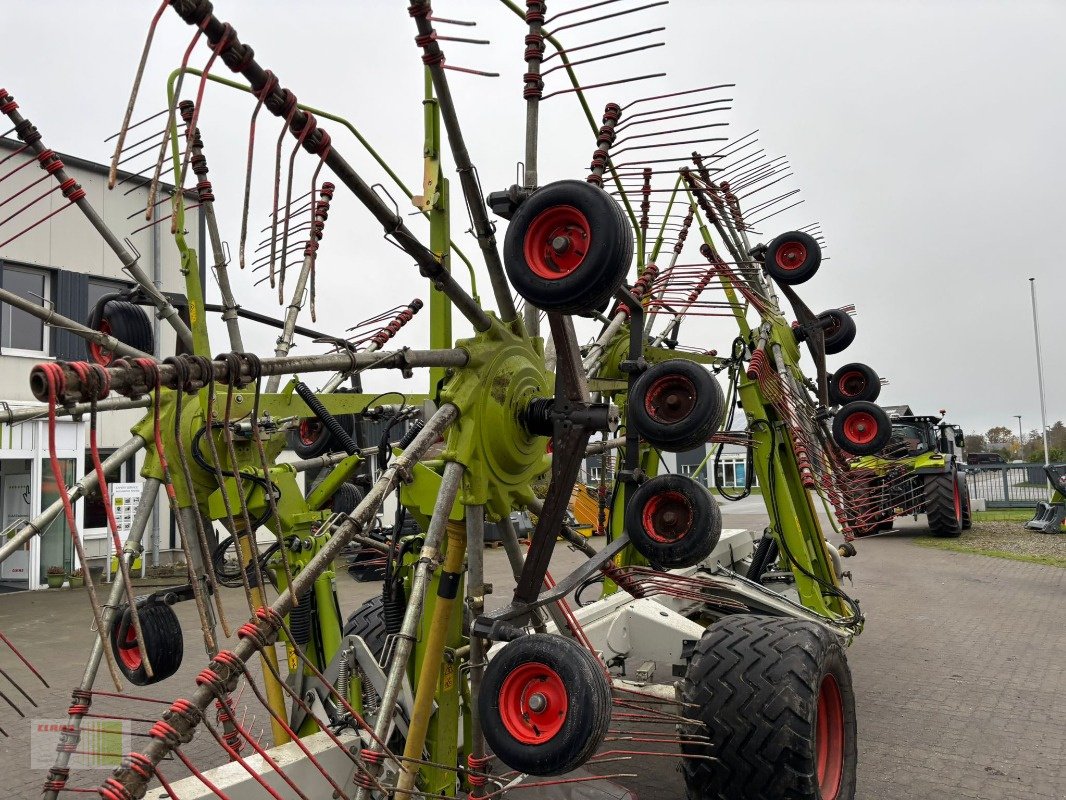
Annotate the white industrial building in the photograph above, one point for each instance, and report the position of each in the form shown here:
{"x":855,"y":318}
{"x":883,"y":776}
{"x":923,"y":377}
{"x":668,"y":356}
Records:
{"x":64,"y":264}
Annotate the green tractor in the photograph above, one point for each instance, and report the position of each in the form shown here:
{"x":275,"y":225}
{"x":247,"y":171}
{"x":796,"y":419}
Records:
{"x":919,"y":470}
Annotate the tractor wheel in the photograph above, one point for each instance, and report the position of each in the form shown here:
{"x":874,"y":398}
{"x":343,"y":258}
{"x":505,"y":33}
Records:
{"x":162,"y":642}
{"x":673,"y":521}
{"x":676,"y":405}
{"x":568,"y":247}
{"x":943,"y":505}
{"x":545,"y":704}
{"x":853,"y":382}
{"x":368,"y":622}
{"x":839,"y":330}
{"x":861,"y":428}
{"x":964,"y":494}
{"x":127,"y":322}
{"x":792,"y":258}
{"x":775,"y":695}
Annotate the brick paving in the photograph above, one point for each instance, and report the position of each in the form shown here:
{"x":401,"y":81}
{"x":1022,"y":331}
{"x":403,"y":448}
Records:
{"x":959,"y":679}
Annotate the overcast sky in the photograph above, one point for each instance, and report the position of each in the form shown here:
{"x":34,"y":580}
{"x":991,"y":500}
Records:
{"x":925,"y":136}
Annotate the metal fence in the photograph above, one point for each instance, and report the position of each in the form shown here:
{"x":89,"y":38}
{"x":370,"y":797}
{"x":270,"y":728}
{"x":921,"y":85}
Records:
{"x":1007,"y":485}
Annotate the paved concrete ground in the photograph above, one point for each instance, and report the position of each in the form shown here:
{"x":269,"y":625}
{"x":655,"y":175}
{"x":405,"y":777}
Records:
{"x":959,"y":678}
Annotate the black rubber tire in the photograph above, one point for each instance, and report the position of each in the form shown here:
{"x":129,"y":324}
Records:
{"x":755,"y":683}
{"x":839,"y":330}
{"x":162,"y":641}
{"x":850,"y":426}
{"x":346,"y":498}
{"x":853,"y":382}
{"x":687,"y":544}
{"x":964,"y":496}
{"x":792,"y":258}
{"x":943,"y":505}
{"x":591,"y":281}
{"x":368,"y":621}
{"x":697,"y":395}
{"x":127,"y":322}
{"x":311,"y":439}
{"x":578,"y":673}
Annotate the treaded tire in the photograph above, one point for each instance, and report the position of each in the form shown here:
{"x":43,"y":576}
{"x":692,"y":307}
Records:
{"x":792,"y":258}
{"x":673,"y":521}
{"x":346,"y":498}
{"x":861,"y":428}
{"x":162,"y":641}
{"x":127,"y":322}
{"x":676,"y":405}
{"x":554,"y":740}
{"x":597,"y":248}
{"x":964,"y":496}
{"x":368,"y":622}
{"x":853,"y":382}
{"x":839,"y":330}
{"x":755,"y":683}
{"x":943,"y":505}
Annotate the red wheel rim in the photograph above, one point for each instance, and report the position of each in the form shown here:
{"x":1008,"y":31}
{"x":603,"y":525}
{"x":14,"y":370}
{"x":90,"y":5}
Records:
{"x":533,"y":703}
{"x":833,"y":326}
{"x":851,"y":384}
{"x":791,"y":255}
{"x":670,"y":399}
{"x":556,"y":242}
{"x":667,"y":517}
{"x":128,"y":652}
{"x":96,"y":352}
{"x":309,"y":431}
{"x":958,"y":503}
{"x":860,"y":427}
{"x":829,"y":739}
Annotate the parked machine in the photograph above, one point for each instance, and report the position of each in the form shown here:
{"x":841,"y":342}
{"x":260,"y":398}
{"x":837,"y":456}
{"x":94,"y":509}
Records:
{"x":1050,"y":517}
{"x":918,"y":471}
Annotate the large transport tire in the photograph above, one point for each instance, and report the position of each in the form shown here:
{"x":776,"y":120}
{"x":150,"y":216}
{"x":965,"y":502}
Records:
{"x":673,"y":521}
{"x":943,"y":505}
{"x":162,"y":641}
{"x":676,"y":405}
{"x":853,"y":382}
{"x":545,"y":704}
{"x":861,"y":428}
{"x":568,"y":247}
{"x":775,"y":695}
{"x":964,"y":492}
{"x":368,"y":622}
{"x":127,"y":322}
{"x":792,"y":258}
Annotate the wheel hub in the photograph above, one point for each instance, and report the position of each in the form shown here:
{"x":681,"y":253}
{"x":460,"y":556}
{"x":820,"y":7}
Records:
{"x":668,"y":517}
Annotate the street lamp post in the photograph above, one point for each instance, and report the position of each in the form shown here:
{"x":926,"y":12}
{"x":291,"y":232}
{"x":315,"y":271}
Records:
{"x":1020,"y":442}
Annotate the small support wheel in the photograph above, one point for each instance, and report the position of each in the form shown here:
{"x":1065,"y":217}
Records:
{"x":676,"y":405}
{"x":853,"y":382}
{"x":792,"y":258}
{"x":346,"y":498}
{"x":545,"y":704}
{"x":839,"y":330}
{"x":311,"y":438}
{"x":568,"y":248}
{"x":861,"y":428}
{"x":673,"y":521}
{"x":162,"y":641}
{"x":127,"y":322}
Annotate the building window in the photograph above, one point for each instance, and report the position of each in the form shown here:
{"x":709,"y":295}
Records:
{"x":98,"y":287}
{"x":689,"y":471}
{"x":19,"y":330}
{"x":95,"y":512}
{"x":594,"y":474}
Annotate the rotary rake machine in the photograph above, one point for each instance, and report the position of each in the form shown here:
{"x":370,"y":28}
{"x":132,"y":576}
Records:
{"x":420,"y":694}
